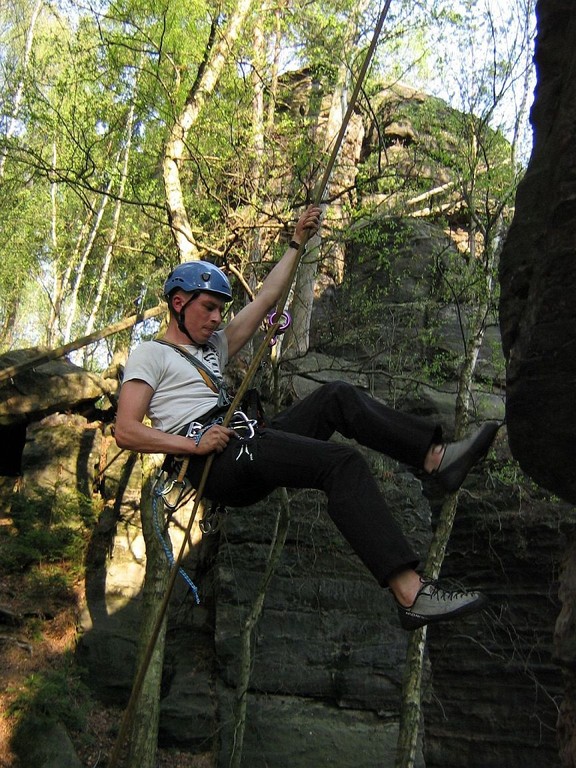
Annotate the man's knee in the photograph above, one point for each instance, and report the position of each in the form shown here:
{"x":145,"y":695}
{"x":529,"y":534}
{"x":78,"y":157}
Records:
{"x":337,"y":389}
{"x":348,"y":462}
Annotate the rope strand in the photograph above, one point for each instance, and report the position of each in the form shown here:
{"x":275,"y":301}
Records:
{"x":157,"y":493}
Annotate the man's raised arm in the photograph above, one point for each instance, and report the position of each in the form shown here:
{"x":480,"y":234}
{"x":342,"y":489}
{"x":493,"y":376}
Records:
{"x":245,"y":324}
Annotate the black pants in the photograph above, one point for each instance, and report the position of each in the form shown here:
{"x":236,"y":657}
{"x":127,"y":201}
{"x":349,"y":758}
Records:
{"x":294,"y":452}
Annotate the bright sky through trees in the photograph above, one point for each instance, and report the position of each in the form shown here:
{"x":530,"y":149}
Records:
{"x":479,"y":58}
{"x":86,"y":107}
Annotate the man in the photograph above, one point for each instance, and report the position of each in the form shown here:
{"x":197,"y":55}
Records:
{"x":294,"y":449}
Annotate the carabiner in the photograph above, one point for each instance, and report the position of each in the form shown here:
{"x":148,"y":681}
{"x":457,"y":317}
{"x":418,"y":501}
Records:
{"x":180,"y":486}
{"x":240,"y":422}
{"x":212,"y":522}
{"x":284,"y":323}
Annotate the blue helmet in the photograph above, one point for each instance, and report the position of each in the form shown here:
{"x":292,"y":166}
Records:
{"x":198,"y":276}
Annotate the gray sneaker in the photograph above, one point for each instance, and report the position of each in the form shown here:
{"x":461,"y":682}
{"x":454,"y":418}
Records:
{"x":433,"y":603}
{"x":460,"y":457}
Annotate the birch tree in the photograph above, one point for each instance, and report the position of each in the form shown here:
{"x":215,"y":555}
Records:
{"x":14,"y":110}
{"x":113,"y":232}
{"x":22,"y":25}
{"x":217,"y":54}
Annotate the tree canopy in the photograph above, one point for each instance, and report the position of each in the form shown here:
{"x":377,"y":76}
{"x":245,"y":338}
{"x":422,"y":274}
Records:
{"x":106,"y":106}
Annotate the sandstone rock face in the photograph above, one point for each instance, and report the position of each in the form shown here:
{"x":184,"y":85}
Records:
{"x":538,"y":270}
{"x":565,"y":654}
{"x":50,"y":387}
{"x":538,"y":311}
{"x":52,"y":750}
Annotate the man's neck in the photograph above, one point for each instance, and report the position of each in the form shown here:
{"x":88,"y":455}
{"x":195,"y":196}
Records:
{"x":175,"y":336}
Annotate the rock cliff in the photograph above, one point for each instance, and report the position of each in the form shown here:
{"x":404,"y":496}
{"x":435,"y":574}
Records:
{"x":538,"y":313}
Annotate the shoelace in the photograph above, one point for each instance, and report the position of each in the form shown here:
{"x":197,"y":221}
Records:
{"x":439,"y":592}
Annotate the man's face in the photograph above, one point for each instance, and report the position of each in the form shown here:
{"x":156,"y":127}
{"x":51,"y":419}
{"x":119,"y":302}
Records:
{"x":202,"y":316}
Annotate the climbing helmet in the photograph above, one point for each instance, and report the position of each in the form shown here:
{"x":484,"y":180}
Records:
{"x":198,"y":276}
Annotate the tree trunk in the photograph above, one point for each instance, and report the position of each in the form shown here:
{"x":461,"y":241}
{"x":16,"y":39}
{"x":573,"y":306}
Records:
{"x":56,"y":277}
{"x":246,"y":660}
{"x":7,"y":327}
{"x":84,"y":260}
{"x":175,"y":146}
{"x":410,"y":719}
{"x":146,"y":716}
{"x":19,"y":95}
{"x":113,"y":231}
{"x":62,"y":281}
{"x":411,"y":705}
{"x":54,"y":354}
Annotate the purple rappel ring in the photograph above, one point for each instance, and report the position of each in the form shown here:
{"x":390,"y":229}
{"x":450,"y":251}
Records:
{"x":285,"y":321}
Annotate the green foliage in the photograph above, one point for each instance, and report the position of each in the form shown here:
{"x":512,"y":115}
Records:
{"x":91,"y":65}
{"x":510,"y":476}
{"x":47,"y":528}
{"x":54,"y":695}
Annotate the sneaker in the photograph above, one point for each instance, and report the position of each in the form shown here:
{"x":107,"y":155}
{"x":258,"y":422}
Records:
{"x":460,"y":457}
{"x":433,"y":603}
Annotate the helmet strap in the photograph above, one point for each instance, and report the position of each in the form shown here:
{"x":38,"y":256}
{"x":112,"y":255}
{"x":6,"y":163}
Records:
{"x":181,"y":317}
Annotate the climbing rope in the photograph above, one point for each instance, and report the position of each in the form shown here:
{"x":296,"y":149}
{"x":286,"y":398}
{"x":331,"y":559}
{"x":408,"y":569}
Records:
{"x":271,"y":333}
{"x":159,"y":499}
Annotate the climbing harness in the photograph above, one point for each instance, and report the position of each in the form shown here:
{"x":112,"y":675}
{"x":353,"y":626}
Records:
{"x":173,"y":489}
{"x":244,"y":427}
{"x":284,"y":321}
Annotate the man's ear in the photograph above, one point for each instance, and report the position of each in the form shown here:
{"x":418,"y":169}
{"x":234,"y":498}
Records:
{"x":176,"y":301}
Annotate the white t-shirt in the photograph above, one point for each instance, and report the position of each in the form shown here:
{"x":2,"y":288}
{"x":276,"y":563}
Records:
{"x":180,"y":393}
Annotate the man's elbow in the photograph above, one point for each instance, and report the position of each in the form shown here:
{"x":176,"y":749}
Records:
{"x":122,"y":438}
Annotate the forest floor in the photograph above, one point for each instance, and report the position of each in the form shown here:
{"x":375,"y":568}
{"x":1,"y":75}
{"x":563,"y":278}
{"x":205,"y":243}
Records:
{"x":37,"y":641}
{"x":41,"y":597}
